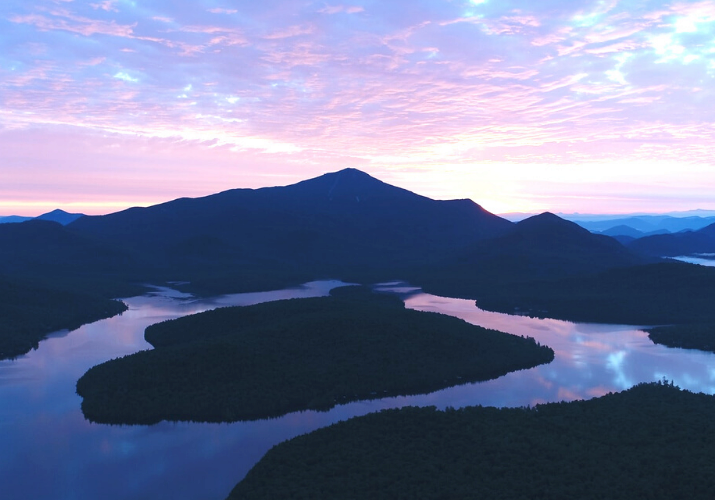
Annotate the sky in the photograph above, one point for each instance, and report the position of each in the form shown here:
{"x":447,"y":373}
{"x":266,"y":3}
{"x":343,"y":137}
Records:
{"x":592,"y":106}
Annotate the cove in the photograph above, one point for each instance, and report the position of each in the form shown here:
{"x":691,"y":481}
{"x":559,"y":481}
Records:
{"x":50,"y":452}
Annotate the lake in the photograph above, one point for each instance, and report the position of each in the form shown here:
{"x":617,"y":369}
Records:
{"x":49,"y":451}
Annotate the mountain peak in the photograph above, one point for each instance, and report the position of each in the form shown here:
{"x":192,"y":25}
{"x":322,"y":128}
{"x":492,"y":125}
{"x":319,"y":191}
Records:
{"x":548,"y":222}
{"x":58,"y":215}
{"x":348,"y":184}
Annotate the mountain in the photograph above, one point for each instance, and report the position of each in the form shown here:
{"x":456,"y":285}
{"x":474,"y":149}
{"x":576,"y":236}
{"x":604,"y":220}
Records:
{"x":623,"y":230}
{"x":626,"y":234}
{"x":646,"y":223}
{"x":56,"y":215}
{"x":60,"y":216}
{"x":673,"y":245}
{"x":13,"y":219}
{"x":542,"y":247}
{"x":546,"y":245}
{"x":343,"y":224}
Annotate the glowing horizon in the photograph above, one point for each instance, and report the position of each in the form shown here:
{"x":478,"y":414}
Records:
{"x":591,"y":106}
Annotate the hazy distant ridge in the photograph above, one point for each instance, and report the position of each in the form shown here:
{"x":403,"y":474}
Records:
{"x":56,"y":215}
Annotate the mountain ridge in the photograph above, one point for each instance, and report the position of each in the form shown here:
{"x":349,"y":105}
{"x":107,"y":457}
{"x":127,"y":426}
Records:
{"x":677,"y":244}
{"x":344,"y":223}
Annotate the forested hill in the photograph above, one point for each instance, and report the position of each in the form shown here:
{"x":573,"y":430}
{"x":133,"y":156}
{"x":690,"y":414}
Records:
{"x":543,"y":247}
{"x":29,"y":313}
{"x":673,"y":245}
{"x":652,"y":441}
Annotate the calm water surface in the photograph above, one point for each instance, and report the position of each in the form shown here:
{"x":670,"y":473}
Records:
{"x":48,"y":451}
{"x":703,"y":259}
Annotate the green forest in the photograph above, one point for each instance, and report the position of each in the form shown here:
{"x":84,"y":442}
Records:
{"x":29,"y":313}
{"x":652,"y":441}
{"x":243,"y":363}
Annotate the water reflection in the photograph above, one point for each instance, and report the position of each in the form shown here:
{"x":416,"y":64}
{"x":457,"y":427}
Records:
{"x":703,"y":259}
{"x":590,"y":358}
{"x":50,"y":452}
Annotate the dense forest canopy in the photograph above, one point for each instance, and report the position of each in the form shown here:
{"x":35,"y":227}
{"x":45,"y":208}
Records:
{"x":653,"y":441}
{"x":698,"y":336}
{"x":243,"y":363}
{"x":30,"y":312}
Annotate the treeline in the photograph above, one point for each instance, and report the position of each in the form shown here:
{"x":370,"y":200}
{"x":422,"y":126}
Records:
{"x":243,"y":363}
{"x":29,"y":313}
{"x":655,"y":294}
{"x":700,"y":336}
{"x":653,"y":441}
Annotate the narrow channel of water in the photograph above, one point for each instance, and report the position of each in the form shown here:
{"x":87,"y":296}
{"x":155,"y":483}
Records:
{"x":48,"y":451}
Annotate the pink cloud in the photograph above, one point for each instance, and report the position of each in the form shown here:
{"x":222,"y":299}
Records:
{"x":291,"y":31}
{"x":616,"y":47}
{"x":336,"y":9}
{"x":223,"y":11}
{"x":76,"y":24}
{"x":556,"y":37}
{"x":108,"y":5}
{"x":416,"y":88}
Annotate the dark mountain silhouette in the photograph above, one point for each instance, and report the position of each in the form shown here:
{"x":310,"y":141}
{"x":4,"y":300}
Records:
{"x":60,"y":216}
{"x":673,"y":245}
{"x":556,"y":247}
{"x":542,"y":247}
{"x":344,"y":224}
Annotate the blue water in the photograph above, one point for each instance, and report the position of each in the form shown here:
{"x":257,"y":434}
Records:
{"x":48,"y":451}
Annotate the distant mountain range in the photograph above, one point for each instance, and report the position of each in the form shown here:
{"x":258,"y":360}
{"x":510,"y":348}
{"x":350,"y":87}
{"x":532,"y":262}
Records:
{"x":623,"y":230}
{"x":13,"y":219}
{"x":57,"y":215}
{"x":677,"y":244}
{"x":636,"y":226}
{"x":649,"y":224}
{"x":346,"y":225}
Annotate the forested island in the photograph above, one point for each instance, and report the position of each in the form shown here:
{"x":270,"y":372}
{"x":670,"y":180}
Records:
{"x":29,"y":313}
{"x":243,"y":363}
{"x":652,"y":441}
